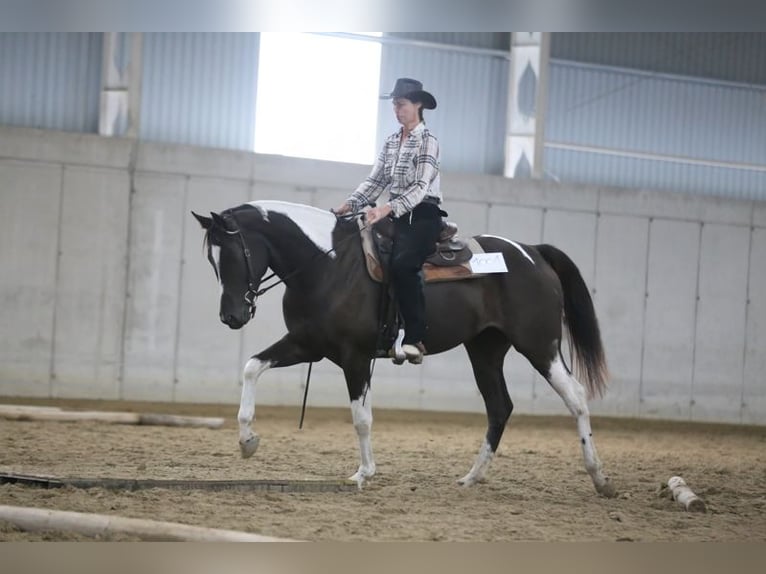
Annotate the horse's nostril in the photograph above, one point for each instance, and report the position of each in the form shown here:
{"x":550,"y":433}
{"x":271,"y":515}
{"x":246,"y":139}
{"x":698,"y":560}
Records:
{"x":232,"y":321}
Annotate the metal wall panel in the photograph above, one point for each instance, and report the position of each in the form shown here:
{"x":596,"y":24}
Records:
{"x":754,"y":389}
{"x":30,"y":197}
{"x":200,"y":88}
{"x":50,"y":80}
{"x":737,"y":57}
{"x":621,"y":247}
{"x":670,"y":320}
{"x":720,"y":333}
{"x":151,"y":319}
{"x":471,"y":91}
{"x":90,"y":290}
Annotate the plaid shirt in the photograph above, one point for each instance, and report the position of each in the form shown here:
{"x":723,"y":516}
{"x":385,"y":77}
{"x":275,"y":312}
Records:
{"x":409,"y":172}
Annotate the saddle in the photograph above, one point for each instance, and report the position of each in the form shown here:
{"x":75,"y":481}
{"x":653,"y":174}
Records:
{"x":450,"y":260}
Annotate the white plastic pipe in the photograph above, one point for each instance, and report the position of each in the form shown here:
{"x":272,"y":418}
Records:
{"x":684,"y":496}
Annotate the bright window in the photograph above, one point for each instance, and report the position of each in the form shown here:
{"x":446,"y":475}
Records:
{"x":317,"y":97}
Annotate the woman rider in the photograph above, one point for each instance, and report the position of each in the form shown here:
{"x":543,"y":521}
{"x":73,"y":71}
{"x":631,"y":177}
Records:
{"x":408,"y":168}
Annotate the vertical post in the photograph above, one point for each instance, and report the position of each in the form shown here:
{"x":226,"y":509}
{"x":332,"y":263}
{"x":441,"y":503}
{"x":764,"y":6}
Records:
{"x":135,"y":76}
{"x":121,"y":70}
{"x":530,"y":52}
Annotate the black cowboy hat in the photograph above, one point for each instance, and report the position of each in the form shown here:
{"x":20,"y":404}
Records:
{"x":413,"y":91}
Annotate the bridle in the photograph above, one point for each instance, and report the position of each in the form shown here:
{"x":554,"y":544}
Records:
{"x":251,"y":295}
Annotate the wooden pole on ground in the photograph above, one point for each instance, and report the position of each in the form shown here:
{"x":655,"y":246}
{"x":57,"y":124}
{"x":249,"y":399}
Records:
{"x":40,"y":519}
{"x":26,"y":413}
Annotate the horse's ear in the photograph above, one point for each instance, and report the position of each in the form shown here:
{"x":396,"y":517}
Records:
{"x":218,"y":220}
{"x":205,"y":222}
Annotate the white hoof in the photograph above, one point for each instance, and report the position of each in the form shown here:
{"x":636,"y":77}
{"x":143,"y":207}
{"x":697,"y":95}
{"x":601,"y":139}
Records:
{"x":606,"y":489}
{"x":361,"y":475}
{"x":248,"y":447}
{"x":469,"y":480}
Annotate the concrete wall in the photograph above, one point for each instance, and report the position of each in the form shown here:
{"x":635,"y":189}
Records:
{"x":105,"y":292}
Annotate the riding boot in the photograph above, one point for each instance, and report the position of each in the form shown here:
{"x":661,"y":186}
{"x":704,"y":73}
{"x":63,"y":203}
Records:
{"x":414,"y":353}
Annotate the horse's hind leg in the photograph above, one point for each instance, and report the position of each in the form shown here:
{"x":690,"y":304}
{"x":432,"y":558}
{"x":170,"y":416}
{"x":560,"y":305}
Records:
{"x":487,"y":353}
{"x":573,"y":393}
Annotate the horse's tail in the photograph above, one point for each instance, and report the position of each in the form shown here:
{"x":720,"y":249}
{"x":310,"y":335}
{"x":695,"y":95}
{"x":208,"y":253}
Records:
{"x":580,"y":319}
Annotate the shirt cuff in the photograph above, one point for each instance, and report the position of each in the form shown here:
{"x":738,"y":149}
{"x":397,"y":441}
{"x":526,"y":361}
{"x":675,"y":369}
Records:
{"x":353,"y":203}
{"x":397,"y":208}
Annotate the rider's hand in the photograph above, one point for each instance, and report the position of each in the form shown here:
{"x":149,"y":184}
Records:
{"x":377,"y":213}
{"x":342,"y":209}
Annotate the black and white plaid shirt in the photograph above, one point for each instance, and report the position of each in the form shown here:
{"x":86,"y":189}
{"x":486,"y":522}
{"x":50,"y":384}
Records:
{"x":409,"y":172}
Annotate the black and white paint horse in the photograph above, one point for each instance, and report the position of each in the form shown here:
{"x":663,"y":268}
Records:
{"x":330,"y":308}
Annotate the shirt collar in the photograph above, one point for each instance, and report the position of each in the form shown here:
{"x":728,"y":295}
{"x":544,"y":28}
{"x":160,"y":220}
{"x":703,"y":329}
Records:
{"x":416,"y":132}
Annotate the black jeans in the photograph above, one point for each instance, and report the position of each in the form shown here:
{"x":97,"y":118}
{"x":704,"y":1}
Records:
{"x":414,"y":241}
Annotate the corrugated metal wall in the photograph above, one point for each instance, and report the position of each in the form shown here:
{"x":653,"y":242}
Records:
{"x":471,"y":91}
{"x":631,"y":111}
{"x":736,"y":57}
{"x":575,"y":166}
{"x":200,"y":88}
{"x":50,"y":80}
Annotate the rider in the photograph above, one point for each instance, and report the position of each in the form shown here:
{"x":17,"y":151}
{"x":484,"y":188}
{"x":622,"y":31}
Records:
{"x":408,"y":168}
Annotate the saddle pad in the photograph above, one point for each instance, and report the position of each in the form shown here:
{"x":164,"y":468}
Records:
{"x":431,"y":273}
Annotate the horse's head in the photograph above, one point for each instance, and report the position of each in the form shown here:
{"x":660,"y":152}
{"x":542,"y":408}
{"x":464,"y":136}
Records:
{"x":239,"y":261}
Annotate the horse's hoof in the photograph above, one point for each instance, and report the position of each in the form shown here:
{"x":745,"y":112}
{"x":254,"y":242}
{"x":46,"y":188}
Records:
{"x":361,"y":476}
{"x":248,"y":447}
{"x":359,"y":479}
{"x":607,"y":490}
{"x":467,"y":480}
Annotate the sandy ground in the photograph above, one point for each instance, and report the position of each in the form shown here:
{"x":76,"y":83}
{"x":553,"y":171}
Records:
{"x":537,"y":488}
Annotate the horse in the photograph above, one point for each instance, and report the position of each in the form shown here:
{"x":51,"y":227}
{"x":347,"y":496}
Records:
{"x":331,"y":310}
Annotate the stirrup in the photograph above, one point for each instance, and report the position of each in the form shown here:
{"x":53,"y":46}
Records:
{"x":396,"y":353}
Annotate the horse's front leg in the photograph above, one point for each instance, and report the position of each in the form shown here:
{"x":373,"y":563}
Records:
{"x":358,"y":383}
{"x":283,"y":353}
